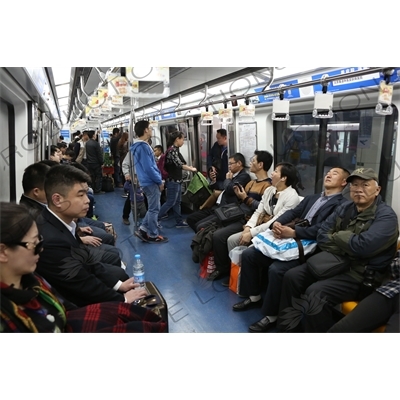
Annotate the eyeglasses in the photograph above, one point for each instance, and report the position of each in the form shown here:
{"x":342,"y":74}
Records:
{"x":231,"y":163}
{"x":32,"y":246}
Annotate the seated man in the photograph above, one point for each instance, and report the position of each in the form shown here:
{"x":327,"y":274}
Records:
{"x":315,"y":209}
{"x":381,"y":307}
{"x":82,"y":274}
{"x":34,"y":197}
{"x":249,"y":198}
{"x":364,"y":232}
{"x":236,"y":176}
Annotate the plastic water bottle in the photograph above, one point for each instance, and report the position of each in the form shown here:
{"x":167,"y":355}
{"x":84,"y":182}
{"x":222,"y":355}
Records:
{"x":138,"y":271}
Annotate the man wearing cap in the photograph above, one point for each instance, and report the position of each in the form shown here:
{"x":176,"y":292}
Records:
{"x":364,"y":231}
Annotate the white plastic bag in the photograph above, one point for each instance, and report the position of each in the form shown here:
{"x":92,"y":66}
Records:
{"x":281,"y":249}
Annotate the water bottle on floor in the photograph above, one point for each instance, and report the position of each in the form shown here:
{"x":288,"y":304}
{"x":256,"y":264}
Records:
{"x":138,"y":271}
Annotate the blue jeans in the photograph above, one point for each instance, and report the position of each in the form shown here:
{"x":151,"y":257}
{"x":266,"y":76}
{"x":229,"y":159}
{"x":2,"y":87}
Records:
{"x":150,"y":221}
{"x":174,"y":195}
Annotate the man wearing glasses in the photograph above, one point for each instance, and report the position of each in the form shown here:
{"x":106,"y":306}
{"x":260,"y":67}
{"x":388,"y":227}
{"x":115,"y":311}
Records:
{"x":236,"y":176}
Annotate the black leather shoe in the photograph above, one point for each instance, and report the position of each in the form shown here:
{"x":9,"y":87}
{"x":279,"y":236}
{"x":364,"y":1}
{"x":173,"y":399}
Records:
{"x":263,"y":325}
{"x":216,"y":275}
{"x":246,"y":304}
{"x":225,"y":283}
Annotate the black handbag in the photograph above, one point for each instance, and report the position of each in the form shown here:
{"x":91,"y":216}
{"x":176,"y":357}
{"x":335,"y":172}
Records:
{"x":107,"y":184}
{"x":325,"y":265}
{"x":229,"y":213}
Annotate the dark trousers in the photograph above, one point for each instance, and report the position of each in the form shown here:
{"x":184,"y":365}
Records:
{"x":220,"y":245}
{"x":127,"y":207}
{"x":371,"y":313}
{"x":257,"y":269}
{"x":117,"y":171}
{"x":91,"y":205}
{"x":96,"y":174}
{"x":316,"y":308}
{"x":253,"y":277}
{"x":195,"y":218}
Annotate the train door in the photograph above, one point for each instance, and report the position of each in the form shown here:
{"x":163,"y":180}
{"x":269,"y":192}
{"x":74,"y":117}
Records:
{"x":352,"y":139}
{"x":8,"y":152}
{"x":207,"y":134}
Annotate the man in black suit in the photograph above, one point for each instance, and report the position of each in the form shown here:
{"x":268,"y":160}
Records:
{"x":34,"y":198}
{"x":81,"y":274}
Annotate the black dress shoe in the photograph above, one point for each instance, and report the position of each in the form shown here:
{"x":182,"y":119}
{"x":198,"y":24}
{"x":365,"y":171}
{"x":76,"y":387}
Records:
{"x":264,"y":325}
{"x":215,"y":275}
{"x":246,"y":304}
{"x":225,"y":283}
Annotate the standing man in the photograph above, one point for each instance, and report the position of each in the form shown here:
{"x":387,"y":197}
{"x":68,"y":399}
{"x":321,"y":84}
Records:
{"x":116,"y":135}
{"x":217,"y":161}
{"x":94,"y":157}
{"x":149,"y":177}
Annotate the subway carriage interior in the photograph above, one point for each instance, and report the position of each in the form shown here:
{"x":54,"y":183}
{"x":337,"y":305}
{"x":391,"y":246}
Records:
{"x":293,"y":113}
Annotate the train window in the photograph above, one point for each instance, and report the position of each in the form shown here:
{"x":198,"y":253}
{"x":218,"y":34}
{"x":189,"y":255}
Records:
{"x":353,"y":138}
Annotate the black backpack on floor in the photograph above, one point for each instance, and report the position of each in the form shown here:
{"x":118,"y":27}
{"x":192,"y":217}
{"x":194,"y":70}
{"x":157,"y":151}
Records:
{"x":107,"y":184}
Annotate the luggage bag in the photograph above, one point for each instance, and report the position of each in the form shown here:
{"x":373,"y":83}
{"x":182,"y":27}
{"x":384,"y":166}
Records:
{"x":154,"y":302}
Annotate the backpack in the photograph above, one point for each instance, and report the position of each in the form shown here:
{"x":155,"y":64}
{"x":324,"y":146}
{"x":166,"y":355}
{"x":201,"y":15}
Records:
{"x":161,"y":164}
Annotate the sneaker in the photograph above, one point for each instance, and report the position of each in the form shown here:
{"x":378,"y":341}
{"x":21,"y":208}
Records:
{"x":126,"y":221}
{"x":182,"y":225}
{"x":125,"y":195}
{"x":158,"y":239}
{"x":159,"y":226}
{"x":164,"y":217}
{"x":142,"y":235}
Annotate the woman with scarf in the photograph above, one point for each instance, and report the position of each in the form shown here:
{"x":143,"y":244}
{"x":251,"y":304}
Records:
{"x":29,"y":304}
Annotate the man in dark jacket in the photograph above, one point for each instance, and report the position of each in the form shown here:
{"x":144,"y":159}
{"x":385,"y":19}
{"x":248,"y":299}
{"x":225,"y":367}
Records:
{"x":116,"y":135}
{"x":315,"y":209}
{"x":94,"y":158}
{"x":81,"y":274}
{"x":217,"y":161}
{"x":237,"y":175}
{"x":364,"y":232}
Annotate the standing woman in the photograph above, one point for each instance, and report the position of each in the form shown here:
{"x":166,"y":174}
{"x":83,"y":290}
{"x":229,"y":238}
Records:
{"x":123,"y":148}
{"x":174,"y":165}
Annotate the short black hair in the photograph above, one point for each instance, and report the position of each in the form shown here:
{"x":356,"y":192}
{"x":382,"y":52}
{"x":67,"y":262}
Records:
{"x":62,"y":178}
{"x":222,"y":132}
{"x":239,"y":157}
{"x":140,"y":127}
{"x":158,"y":146}
{"x":115,"y":130}
{"x":50,"y":163}
{"x":289,"y":172}
{"x":34,"y":175}
{"x":265,"y":157}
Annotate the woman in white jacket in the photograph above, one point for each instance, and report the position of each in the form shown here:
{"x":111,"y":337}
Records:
{"x":276,"y":200}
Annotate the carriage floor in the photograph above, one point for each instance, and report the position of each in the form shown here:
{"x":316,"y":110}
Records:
{"x":194,"y":304}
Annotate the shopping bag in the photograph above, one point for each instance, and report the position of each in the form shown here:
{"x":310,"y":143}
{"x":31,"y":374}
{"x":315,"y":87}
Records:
{"x":282,"y":249}
{"x":236,"y":262}
{"x":198,"y":190}
{"x":207,"y":266}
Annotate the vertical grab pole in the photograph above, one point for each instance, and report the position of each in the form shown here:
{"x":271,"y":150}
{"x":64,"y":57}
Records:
{"x":132,"y":172}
